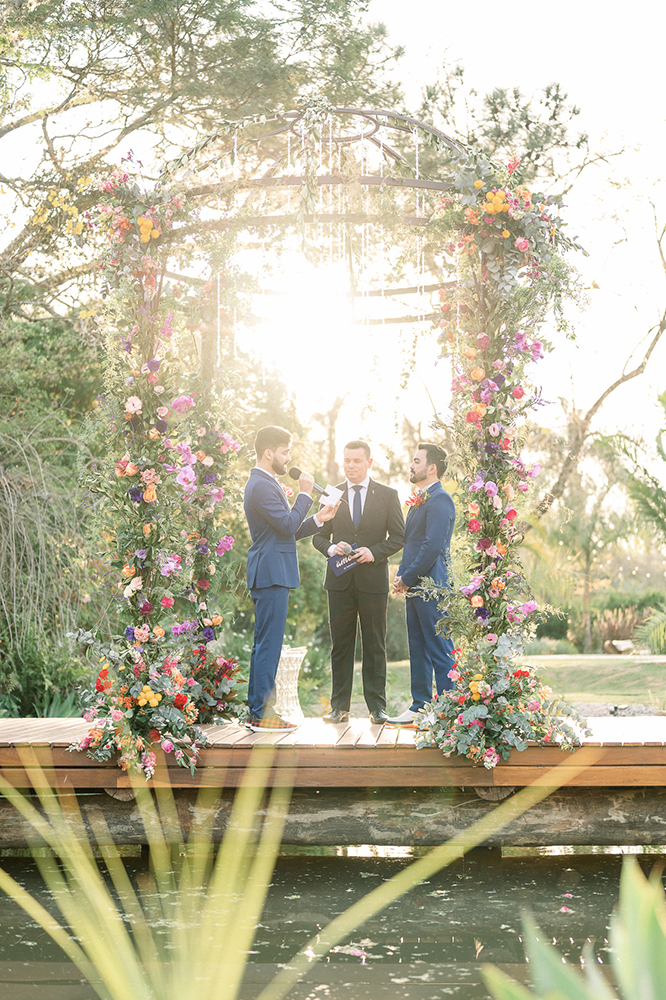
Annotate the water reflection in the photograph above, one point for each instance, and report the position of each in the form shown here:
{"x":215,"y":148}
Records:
{"x":467,"y":914}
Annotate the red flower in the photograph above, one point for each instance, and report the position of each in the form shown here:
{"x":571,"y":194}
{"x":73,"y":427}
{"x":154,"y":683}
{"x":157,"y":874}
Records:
{"x":154,"y":735}
{"x":180,"y":701}
{"x":511,"y":514}
{"x":521,"y":673}
{"x":473,"y":524}
{"x":518,"y":392}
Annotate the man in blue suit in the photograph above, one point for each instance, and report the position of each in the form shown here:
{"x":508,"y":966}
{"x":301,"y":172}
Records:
{"x":428,"y":532}
{"x":272,"y":564}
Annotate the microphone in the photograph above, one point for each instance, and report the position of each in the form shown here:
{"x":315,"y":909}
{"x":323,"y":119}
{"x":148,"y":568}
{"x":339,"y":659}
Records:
{"x":297,"y":473}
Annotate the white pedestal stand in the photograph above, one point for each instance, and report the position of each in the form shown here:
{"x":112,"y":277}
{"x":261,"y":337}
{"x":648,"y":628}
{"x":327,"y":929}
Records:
{"x":287,"y":705}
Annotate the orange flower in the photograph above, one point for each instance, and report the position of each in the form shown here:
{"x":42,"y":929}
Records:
{"x":471,"y":352}
{"x":147,"y":528}
{"x":150,"y":495}
{"x":200,"y":455}
{"x":153,"y":433}
{"x":158,"y":630}
{"x":128,"y":570}
{"x":216,"y":619}
{"x":477,"y":601}
{"x":477,"y":374}
{"x":478,"y":184}
{"x":131,"y":470}
{"x":501,"y":549}
{"x":473,"y":508}
{"x":480,"y":409}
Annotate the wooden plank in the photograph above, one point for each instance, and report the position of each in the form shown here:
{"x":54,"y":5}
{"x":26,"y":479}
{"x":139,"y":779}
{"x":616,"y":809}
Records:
{"x":407,"y":738}
{"x":388,"y":737}
{"x":369,"y":734}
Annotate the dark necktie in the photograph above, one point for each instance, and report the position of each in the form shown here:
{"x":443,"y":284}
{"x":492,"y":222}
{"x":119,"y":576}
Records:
{"x":356,"y":508}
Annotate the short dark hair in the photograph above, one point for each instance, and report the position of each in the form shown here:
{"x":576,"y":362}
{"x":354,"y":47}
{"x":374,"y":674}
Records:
{"x":270,"y":438}
{"x":434,"y":456}
{"x":353,"y":445}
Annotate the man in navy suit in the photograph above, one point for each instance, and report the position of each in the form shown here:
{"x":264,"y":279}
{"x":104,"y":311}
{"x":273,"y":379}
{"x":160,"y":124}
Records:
{"x":272,"y":564}
{"x":428,"y":532}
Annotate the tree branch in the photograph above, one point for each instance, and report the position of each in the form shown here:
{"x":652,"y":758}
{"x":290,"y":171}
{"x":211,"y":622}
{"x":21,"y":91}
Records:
{"x":580,"y":429}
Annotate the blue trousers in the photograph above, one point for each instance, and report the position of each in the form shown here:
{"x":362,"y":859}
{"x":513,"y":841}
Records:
{"x":270,"y":619}
{"x":429,"y":652}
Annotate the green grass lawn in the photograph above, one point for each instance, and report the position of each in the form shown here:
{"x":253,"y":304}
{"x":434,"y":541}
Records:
{"x":620,"y":680}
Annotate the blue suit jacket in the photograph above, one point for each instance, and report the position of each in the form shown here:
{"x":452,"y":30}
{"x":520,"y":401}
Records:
{"x":428,"y":530}
{"x":274,"y":526}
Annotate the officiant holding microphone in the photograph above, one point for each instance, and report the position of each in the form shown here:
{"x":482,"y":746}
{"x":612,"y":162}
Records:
{"x":272,"y":563}
{"x":367,"y":528}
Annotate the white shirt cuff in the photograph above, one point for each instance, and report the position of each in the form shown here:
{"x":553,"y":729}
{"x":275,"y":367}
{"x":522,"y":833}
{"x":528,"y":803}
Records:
{"x":331,"y":550}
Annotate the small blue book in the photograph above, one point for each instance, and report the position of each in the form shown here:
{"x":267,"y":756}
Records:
{"x":342,"y":564}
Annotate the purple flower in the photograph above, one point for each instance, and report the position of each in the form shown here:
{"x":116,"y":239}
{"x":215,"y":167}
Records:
{"x":161,"y":425}
{"x":482,"y":613}
{"x":491,"y":488}
{"x":208,"y":634}
{"x":209,"y":478}
{"x":135,"y":494}
{"x":153,"y":365}
{"x":129,"y":633}
{"x":202,"y":549}
{"x":499,"y":379}
{"x":141,"y":553}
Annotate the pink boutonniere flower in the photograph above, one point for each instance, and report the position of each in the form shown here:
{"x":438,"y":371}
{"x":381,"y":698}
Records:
{"x":286,"y":490}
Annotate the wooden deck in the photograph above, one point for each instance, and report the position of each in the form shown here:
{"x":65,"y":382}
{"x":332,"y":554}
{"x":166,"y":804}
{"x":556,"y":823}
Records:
{"x":622,"y":752}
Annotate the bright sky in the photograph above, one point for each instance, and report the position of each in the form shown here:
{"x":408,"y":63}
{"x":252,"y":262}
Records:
{"x":609,"y":58}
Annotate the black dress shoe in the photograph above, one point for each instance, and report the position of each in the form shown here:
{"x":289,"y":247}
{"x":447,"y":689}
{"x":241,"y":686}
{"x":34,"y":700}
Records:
{"x":336,"y":716}
{"x":378,"y":718}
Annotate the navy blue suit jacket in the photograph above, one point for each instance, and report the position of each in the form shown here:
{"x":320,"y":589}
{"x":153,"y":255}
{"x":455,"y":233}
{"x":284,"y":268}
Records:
{"x":428,"y":530}
{"x":274,"y":525}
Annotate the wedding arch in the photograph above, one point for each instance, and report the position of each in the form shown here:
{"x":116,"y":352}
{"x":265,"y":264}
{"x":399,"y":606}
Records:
{"x":367,"y":187}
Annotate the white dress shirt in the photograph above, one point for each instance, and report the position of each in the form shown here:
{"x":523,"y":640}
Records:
{"x":351,"y":492}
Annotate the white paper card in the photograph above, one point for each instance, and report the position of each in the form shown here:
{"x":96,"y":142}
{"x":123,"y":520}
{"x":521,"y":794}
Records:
{"x":332,"y":495}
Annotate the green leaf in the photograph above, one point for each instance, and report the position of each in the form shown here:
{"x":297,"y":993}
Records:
{"x":550,"y":974}
{"x":502,"y":987}
{"x":638,"y":935}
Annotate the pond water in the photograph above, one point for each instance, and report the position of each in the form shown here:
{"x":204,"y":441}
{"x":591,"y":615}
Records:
{"x":429,"y":944}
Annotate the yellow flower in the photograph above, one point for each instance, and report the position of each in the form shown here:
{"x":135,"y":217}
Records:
{"x":506,"y":234}
{"x":478,"y":677}
{"x":478,"y":184}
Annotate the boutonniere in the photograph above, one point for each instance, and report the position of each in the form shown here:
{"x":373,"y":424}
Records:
{"x":417,"y":499}
{"x":286,"y":490}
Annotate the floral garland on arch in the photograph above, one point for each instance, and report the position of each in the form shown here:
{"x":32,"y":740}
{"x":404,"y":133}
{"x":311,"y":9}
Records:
{"x":160,"y":498}
{"x":505,"y":245}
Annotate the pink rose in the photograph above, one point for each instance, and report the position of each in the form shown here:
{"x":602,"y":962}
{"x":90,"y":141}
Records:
{"x":535,"y":470}
{"x":167,"y":746}
{"x":117,"y":716}
{"x":522,"y":244}
{"x":518,"y":392}
{"x":494,"y":429}
{"x":162,"y":412}
{"x":167,"y":602}
{"x":133,"y":405}
{"x":473,"y":524}
{"x":483,"y":341}
{"x":182,"y":404}
{"x":491,"y":637}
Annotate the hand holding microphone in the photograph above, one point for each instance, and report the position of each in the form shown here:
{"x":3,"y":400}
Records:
{"x":306,"y":483}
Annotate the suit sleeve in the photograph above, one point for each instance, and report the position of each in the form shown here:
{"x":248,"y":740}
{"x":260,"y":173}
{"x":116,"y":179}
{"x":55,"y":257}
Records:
{"x":440,"y":518}
{"x":395,"y":530}
{"x":266,"y":504}
{"x":322,"y":539}
{"x":308,"y":527}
